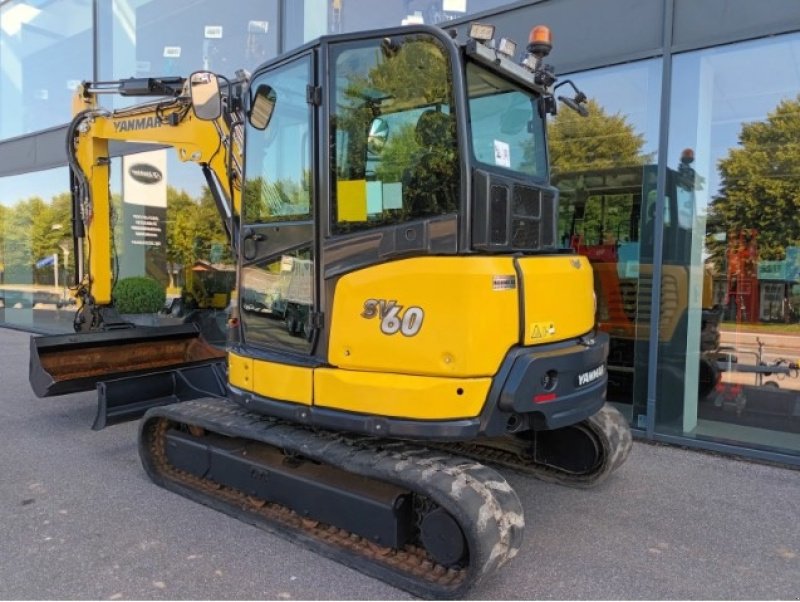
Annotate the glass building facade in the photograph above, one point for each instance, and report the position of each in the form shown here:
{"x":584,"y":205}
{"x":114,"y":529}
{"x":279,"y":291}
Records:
{"x":682,"y":187}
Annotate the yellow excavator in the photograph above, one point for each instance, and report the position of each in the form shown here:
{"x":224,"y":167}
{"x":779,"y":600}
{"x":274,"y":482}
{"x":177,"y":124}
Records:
{"x":404,"y":311}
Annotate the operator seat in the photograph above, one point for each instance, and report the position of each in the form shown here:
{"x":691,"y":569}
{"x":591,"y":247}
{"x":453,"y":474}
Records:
{"x":431,"y":185}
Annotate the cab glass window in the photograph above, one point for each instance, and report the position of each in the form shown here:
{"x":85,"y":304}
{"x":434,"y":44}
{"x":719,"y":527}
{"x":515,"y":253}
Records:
{"x":278,"y":164}
{"x":393,"y":131}
{"x":507,"y":130}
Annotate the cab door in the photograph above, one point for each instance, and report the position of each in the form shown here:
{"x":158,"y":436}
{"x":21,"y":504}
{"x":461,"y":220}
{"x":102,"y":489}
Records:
{"x":278,"y":251}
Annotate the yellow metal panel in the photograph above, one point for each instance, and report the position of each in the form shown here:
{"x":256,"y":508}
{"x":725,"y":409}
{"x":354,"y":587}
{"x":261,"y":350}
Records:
{"x":283,"y":382}
{"x":442,"y":316}
{"x":219,"y":301}
{"x":240,"y":371}
{"x":351,"y":200}
{"x":270,"y":379}
{"x":559,"y":300}
{"x":401,"y":396}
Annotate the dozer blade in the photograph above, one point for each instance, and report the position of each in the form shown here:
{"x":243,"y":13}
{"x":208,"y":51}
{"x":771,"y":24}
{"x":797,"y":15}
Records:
{"x":70,"y":363}
{"x":125,"y":399}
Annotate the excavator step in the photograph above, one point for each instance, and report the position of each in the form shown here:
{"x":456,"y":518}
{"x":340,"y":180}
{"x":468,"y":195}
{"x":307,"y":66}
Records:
{"x":428,"y":522}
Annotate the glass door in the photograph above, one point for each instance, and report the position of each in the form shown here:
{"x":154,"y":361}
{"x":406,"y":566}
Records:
{"x":278,"y":247}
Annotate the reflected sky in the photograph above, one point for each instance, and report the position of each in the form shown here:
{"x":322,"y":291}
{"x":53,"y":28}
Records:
{"x":45,"y":50}
{"x":49,"y":183}
{"x":717,"y":90}
{"x":43,"y":184}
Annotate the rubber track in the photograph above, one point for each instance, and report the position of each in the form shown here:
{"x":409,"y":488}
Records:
{"x":482,"y":502}
{"x":607,"y":426}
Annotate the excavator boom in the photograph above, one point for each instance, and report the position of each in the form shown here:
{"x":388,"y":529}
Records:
{"x":135,"y":367}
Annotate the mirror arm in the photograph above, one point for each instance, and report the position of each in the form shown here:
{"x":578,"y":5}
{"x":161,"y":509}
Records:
{"x":576,"y":104}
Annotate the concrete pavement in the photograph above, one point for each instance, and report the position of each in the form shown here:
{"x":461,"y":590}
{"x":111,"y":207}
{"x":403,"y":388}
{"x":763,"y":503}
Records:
{"x":80,"y":520}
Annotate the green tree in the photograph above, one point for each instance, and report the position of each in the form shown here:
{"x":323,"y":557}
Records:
{"x":398,"y":154}
{"x":416,"y":74}
{"x":193,"y":227}
{"x":19,"y":236}
{"x":211,"y":230}
{"x":761,"y":186}
{"x":594,"y":142}
{"x":180,"y":230}
{"x":413,"y":74}
{"x":580,"y":145}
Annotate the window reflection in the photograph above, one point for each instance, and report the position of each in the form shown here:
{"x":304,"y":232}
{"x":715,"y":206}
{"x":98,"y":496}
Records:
{"x":46,"y":52}
{"x":277,"y":274}
{"x":605,"y":168}
{"x":738,"y":146}
{"x":278,"y":166}
{"x":276,"y":301}
{"x":309,"y":19}
{"x":359,"y":14}
{"x":192,"y":259}
{"x":507,"y":130}
{"x":395,"y":155}
{"x":36,"y":251}
{"x":141,"y":38}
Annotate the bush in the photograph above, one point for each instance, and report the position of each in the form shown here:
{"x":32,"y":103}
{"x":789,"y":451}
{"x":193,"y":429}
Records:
{"x":138,"y":295}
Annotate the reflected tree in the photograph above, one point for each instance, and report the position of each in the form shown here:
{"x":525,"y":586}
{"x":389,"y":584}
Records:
{"x":286,"y":198}
{"x":193,"y":227}
{"x":31,"y":231}
{"x":582,"y":145}
{"x":760,"y":186}
{"x":599,"y":141}
{"x":406,"y":74}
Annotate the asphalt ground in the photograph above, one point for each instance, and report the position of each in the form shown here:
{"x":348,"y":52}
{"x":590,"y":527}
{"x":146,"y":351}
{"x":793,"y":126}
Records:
{"x":80,"y":520}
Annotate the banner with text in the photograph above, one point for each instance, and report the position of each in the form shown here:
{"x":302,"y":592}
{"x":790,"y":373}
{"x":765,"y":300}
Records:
{"x":144,"y":215}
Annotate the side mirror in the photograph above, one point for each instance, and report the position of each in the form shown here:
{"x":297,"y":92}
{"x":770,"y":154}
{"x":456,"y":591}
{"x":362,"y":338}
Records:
{"x":377,"y":136}
{"x":206,"y":99}
{"x":262,"y":107}
{"x":575,"y":105}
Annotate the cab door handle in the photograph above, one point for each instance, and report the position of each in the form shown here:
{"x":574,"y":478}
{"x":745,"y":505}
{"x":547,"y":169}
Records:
{"x":250,"y":243}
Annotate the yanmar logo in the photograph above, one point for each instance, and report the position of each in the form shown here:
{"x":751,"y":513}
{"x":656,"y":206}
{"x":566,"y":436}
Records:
{"x":584,"y":378}
{"x":146,"y":174}
{"x":142,"y":123}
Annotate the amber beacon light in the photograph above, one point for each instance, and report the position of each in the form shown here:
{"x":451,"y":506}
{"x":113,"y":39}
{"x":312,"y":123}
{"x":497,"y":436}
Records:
{"x":540,"y":42}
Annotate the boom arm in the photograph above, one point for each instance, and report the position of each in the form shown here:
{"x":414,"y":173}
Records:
{"x":216,"y":145}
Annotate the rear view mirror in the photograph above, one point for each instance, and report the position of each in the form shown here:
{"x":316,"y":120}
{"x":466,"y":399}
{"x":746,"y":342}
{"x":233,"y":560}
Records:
{"x":575,"y":105}
{"x":206,"y":99}
{"x":377,"y":136}
{"x":262,"y":107}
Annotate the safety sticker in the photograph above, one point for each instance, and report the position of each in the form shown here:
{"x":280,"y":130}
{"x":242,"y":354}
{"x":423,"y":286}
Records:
{"x":543,"y":330}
